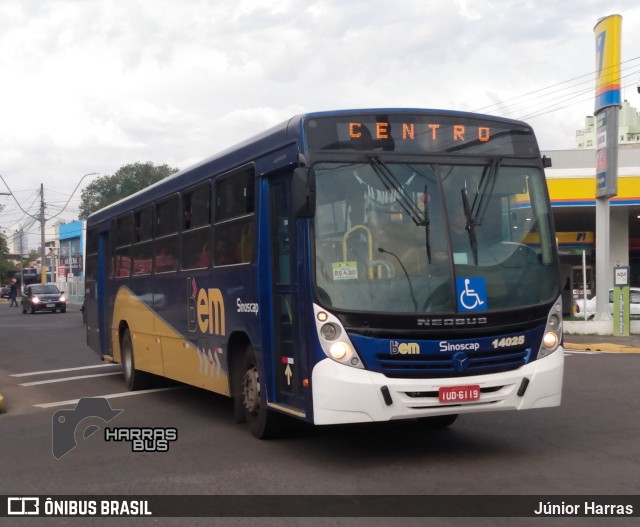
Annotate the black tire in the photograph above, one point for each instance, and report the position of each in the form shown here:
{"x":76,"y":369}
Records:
{"x":236,"y":371}
{"x":438,"y":421}
{"x":134,"y":379}
{"x":63,"y":310}
{"x":263,"y":423}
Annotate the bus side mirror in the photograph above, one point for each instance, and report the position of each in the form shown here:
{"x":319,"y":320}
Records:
{"x":303,"y":193}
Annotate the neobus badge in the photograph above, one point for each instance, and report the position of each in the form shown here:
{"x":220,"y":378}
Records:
{"x":208,"y":306}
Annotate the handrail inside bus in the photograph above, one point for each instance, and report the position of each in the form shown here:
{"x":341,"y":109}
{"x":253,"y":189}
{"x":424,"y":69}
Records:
{"x":345,"y":238}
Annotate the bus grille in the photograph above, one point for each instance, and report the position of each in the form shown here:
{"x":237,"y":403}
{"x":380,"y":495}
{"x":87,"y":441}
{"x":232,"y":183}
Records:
{"x":444,"y":365}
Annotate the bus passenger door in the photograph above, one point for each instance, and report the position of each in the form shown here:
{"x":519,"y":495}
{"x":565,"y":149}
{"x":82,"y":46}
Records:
{"x":287,"y":356}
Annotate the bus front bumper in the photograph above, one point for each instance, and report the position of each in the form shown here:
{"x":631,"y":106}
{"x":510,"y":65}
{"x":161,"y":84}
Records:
{"x":342,"y":394}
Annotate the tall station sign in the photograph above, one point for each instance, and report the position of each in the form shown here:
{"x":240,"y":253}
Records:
{"x":608,"y":37}
{"x":608,"y":100}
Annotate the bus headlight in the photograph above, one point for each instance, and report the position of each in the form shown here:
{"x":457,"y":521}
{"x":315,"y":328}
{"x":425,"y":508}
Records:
{"x":554,"y":322}
{"x":334,"y":339}
{"x":550,"y":340}
{"x":329,"y":331}
{"x":341,"y":350}
{"x":553,"y":331}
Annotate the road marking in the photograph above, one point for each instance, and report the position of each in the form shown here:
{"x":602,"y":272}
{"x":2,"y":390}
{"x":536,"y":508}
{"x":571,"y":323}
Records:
{"x":60,"y":371}
{"x":64,"y":379}
{"x":108,"y":396}
{"x":581,"y":352}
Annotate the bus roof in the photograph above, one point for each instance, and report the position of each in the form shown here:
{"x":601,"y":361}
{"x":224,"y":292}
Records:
{"x":285,"y":133}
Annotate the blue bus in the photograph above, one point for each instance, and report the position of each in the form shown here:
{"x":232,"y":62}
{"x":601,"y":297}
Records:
{"x":342,"y":267}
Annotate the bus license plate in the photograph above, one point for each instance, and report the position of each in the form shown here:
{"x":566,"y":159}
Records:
{"x":459,"y":394}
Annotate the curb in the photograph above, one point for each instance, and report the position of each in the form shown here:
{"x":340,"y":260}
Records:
{"x":602,"y":346}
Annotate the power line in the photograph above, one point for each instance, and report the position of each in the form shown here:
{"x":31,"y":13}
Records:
{"x":575,"y":94}
{"x":41,"y":217}
{"x":554,"y":107}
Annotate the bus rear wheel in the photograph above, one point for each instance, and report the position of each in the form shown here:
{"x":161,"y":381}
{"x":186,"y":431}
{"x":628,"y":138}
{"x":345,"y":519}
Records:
{"x":134,"y":379}
{"x":263,"y":423}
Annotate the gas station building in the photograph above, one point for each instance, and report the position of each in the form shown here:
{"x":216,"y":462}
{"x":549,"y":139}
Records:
{"x":572,"y":187}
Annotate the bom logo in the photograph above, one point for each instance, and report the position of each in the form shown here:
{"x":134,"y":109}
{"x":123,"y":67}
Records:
{"x":404,"y":348}
{"x":206,"y":309}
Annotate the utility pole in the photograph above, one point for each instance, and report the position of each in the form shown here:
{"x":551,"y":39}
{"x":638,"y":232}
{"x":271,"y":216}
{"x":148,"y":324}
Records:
{"x":21,"y":264}
{"x":42,"y":220}
{"x":43,"y":267}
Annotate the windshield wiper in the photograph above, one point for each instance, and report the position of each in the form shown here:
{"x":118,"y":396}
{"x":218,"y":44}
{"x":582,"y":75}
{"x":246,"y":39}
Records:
{"x":481,"y":201}
{"x":474,"y":214}
{"x":470,"y":226}
{"x":391,"y":183}
{"x":427,"y":225}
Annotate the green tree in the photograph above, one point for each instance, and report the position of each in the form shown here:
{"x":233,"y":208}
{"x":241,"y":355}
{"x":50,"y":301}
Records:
{"x":128,"y":180}
{"x":5,"y":264}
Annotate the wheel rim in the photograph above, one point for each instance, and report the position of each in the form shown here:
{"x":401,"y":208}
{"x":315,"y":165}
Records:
{"x":251,"y":390}
{"x":126,"y":361}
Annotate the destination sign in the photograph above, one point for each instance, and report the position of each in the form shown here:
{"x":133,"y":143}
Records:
{"x":420,"y":133}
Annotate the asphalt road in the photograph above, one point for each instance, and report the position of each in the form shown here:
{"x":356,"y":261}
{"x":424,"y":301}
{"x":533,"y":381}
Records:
{"x":587,"y":446}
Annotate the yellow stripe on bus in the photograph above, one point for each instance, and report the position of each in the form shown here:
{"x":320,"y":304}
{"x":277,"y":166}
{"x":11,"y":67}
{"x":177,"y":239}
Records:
{"x":159,"y":348}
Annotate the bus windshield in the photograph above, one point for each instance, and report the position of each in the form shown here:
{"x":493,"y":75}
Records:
{"x":397,"y":237}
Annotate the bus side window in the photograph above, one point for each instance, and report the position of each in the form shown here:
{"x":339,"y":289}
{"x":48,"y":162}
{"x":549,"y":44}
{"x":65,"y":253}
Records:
{"x":246,"y":243}
{"x":142,"y":250}
{"x":165,"y":257}
{"x":223,"y":253}
{"x":196,"y":227}
{"x":124,"y":237}
{"x":166,"y":237}
{"x":233,"y":218}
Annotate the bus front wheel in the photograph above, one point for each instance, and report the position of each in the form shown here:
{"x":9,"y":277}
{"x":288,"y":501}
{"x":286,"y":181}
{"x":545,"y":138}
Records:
{"x":263,"y":423}
{"x":134,"y":379}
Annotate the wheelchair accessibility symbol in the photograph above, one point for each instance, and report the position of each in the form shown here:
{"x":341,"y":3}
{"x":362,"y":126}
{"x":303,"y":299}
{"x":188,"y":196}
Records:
{"x":471,"y":294}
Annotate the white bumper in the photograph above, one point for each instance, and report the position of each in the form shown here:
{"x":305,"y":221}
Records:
{"x":342,"y":394}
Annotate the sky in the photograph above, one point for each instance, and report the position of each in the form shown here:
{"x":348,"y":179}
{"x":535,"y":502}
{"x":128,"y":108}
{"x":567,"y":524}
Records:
{"x":92,"y":85}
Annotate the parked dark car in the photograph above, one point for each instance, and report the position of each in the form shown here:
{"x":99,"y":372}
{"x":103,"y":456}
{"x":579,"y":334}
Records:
{"x":43,"y":297}
{"x":4,"y":293}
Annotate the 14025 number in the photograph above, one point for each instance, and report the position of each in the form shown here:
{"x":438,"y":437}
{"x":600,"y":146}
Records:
{"x":506,"y":342}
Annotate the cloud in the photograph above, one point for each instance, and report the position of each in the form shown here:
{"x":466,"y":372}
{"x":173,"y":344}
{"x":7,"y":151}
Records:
{"x":91,"y":85}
